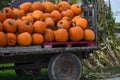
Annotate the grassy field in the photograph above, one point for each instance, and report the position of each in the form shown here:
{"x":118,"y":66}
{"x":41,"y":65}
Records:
{"x":11,"y":75}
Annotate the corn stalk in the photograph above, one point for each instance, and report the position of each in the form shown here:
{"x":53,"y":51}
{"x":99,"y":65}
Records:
{"x":106,"y":36}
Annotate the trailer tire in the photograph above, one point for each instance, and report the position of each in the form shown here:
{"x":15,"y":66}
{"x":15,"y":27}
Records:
{"x":64,"y":67}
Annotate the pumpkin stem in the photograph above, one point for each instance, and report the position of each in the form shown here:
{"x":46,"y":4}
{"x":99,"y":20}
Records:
{"x":78,"y":6}
{"x":73,"y":24}
{"x":61,"y":22}
{"x":16,"y":17}
{"x":11,"y":23}
{"x":6,"y":10}
{"x":65,"y":9}
{"x":11,"y":40}
{"x":27,"y":22}
{"x":69,"y":19}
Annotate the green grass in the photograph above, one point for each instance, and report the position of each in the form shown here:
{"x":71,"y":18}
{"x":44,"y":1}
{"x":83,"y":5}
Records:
{"x":11,"y":75}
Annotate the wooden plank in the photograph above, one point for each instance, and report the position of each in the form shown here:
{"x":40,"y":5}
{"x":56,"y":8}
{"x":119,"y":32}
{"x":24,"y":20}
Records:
{"x":7,"y":51}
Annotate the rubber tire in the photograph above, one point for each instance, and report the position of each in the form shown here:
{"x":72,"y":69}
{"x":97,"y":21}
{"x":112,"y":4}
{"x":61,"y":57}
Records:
{"x":24,"y":72}
{"x":64,"y":67}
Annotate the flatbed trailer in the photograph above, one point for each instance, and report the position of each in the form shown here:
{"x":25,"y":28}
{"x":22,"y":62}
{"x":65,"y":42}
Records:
{"x":61,"y":58}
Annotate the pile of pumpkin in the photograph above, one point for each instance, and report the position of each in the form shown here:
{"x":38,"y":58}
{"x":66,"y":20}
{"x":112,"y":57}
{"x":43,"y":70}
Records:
{"x":40,"y":22}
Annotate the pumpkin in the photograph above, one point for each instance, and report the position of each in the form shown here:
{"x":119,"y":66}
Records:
{"x":2,"y":16}
{"x":37,"y":6}
{"x":3,"y":39}
{"x":76,"y":9}
{"x":1,"y":26}
{"x":89,"y":35}
{"x":12,"y":40}
{"x":39,"y":27}
{"x":68,"y":19}
{"x":25,"y":26}
{"x":76,"y":33}
{"x":82,"y":22}
{"x":63,"y":5}
{"x":49,"y":22}
{"x":10,"y":25}
{"x":28,"y":18}
{"x":29,"y":14}
{"x":24,"y":39}
{"x":26,"y":6}
{"x":68,"y":12}
{"x":74,"y":19}
{"x":37,"y":39}
{"x":19,"y":13}
{"x":48,"y":6}
{"x":61,"y":35}
{"x":49,"y":35}
{"x":56,"y":15}
{"x":37,"y":15}
{"x":63,"y":24}
{"x":45,"y":15}
{"x":9,"y":13}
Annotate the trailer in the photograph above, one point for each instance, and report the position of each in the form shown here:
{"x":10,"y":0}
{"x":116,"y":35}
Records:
{"x":61,"y":58}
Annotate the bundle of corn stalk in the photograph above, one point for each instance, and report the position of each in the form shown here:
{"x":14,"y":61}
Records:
{"x":109,"y":54}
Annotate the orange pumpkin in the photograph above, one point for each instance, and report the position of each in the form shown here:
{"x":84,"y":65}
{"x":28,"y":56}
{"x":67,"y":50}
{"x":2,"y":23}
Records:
{"x":29,"y":14}
{"x":24,"y":39}
{"x":9,"y":13}
{"x":12,"y":40}
{"x":25,"y":26}
{"x":28,"y":18}
{"x":45,"y":15}
{"x":2,"y":17}
{"x":76,"y":9}
{"x":89,"y":35}
{"x":68,"y":13}
{"x":37,"y":39}
{"x":10,"y":25}
{"x":49,"y":22}
{"x":74,"y":19}
{"x":76,"y":33}
{"x":1,"y":26}
{"x":37,"y":6}
{"x":49,"y":35}
{"x":3,"y":39}
{"x":19,"y":13}
{"x":61,"y":35}
{"x":68,"y":19}
{"x":56,"y":15}
{"x":63,"y":24}
{"x":26,"y":6}
{"x":63,"y":5}
{"x":82,"y":22}
{"x":39,"y":27}
{"x":48,"y":6}
{"x":37,"y":15}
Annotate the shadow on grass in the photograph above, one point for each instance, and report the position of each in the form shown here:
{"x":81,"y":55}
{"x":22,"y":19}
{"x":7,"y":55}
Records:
{"x":11,"y":75}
